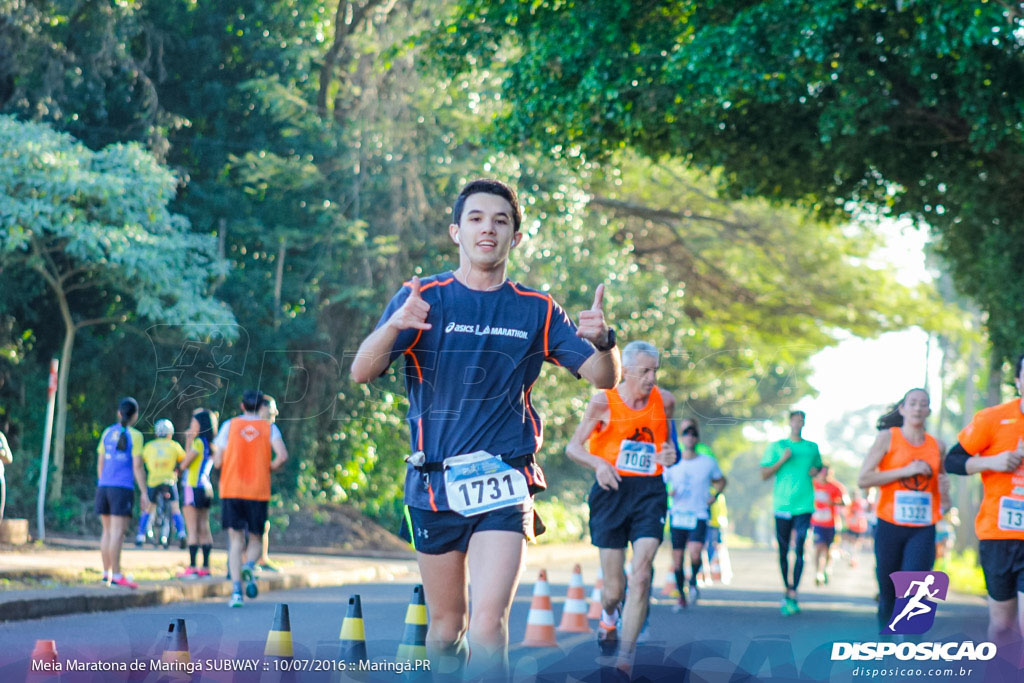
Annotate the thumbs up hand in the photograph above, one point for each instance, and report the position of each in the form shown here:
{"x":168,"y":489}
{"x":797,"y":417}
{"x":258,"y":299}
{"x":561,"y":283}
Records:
{"x":592,"y":326}
{"x":413,"y":313}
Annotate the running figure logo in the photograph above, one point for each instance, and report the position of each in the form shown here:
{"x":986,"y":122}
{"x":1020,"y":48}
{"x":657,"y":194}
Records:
{"x":914,"y":612}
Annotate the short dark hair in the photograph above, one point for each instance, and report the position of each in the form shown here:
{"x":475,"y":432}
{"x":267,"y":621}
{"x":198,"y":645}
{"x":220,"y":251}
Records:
{"x":1020,"y":364}
{"x":797,"y":412}
{"x":251,"y":400}
{"x":488,"y":186}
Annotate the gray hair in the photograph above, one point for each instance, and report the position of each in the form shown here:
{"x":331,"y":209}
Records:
{"x":635,"y":348}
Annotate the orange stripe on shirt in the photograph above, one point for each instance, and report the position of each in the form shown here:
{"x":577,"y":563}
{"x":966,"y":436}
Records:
{"x":408,"y":351}
{"x":547,"y":319}
{"x":529,"y":411}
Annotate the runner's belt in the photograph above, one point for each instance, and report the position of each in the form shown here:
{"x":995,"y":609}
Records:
{"x":516,"y":461}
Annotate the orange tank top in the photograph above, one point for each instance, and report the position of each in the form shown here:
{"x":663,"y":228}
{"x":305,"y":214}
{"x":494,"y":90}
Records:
{"x":245,"y":468}
{"x":913,"y":501}
{"x":630,"y":438}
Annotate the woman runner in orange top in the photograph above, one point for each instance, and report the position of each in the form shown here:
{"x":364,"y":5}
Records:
{"x":905,"y":463}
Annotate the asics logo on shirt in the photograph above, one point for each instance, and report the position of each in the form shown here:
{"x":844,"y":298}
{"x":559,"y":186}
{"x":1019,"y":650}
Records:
{"x":486,"y":330}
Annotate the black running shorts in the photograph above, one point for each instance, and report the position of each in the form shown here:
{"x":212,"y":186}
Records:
{"x":636,"y":510}
{"x":114,"y":500}
{"x":1002,"y":561}
{"x":444,"y":531}
{"x":242,"y":514}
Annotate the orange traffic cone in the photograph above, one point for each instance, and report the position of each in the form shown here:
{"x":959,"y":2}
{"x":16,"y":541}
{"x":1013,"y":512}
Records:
{"x":574,"y":613}
{"x":595,"y":597}
{"x":716,"y":567}
{"x":670,"y":589}
{"x":43,"y":666}
{"x":540,"y":623}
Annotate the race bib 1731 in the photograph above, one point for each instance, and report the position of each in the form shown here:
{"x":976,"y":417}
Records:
{"x":480,"y":482}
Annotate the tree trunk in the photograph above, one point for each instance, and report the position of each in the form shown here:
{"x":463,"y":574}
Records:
{"x":57,"y":481}
{"x":966,"y":537}
{"x":282,"y":248}
{"x":995,"y":379}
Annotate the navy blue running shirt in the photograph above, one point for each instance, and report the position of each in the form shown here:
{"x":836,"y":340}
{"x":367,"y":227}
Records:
{"x":469,"y":377}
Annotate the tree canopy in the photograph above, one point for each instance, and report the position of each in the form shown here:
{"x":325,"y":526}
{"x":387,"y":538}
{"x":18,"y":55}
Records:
{"x":305,"y":154}
{"x":911,"y":107}
{"x":98,"y":223}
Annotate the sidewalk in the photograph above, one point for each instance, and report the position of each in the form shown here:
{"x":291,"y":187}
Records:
{"x":65,"y":560}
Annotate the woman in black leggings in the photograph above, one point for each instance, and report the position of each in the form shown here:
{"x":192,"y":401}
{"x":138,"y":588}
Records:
{"x":905,"y":463}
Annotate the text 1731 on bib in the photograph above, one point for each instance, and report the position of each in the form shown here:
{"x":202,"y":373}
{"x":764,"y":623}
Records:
{"x":480,"y":482}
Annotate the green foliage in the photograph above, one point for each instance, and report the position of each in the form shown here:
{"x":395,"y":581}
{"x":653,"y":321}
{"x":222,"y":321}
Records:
{"x":87,"y":219}
{"x":913,"y":108}
{"x":315,"y":160}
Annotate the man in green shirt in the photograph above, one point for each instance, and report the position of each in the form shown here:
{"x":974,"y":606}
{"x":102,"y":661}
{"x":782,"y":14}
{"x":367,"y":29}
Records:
{"x":793,"y":462}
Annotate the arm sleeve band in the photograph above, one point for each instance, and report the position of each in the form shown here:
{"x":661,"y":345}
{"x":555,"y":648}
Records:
{"x":956,"y":460}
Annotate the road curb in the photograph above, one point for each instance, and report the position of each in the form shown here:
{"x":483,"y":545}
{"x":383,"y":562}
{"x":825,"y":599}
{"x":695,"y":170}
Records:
{"x":40,"y":604}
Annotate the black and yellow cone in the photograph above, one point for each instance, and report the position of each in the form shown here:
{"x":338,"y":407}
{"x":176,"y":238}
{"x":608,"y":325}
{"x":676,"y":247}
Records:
{"x":353,"y":637}
{"x":279,"y":639}
{"x":176,"y":643}
{"x":414,"y":641}
{"x":175,"y":654}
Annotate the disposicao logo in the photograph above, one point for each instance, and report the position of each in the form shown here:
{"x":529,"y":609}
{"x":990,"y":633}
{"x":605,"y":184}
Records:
{"x":913,"y":614}
{"x":916,"y":593}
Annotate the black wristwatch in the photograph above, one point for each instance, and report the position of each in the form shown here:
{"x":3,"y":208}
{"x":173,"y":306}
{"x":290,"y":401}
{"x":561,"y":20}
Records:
{"x":610,"y":344}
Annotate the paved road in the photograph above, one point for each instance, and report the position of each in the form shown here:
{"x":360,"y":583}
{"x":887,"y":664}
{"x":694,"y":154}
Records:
{"x":736,"y":632}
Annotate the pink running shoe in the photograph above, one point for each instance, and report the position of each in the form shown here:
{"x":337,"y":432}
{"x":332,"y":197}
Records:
{"x":124,"y":581}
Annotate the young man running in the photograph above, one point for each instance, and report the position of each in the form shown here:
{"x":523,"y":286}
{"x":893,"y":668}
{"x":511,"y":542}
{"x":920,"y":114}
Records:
{"x":993,"y":445}
{"x":829,"y":497}
{"x":690,"y":481}
{"x":629,"y":444}
{"x":474,"y":343}
{"x":793,"y":462}
{"x":247,"y":450}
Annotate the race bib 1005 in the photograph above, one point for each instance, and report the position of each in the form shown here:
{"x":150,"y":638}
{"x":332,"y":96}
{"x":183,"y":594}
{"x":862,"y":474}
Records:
{"x":912,"y":508}
{"x":480,"y":482}
{"x":636,"y":457}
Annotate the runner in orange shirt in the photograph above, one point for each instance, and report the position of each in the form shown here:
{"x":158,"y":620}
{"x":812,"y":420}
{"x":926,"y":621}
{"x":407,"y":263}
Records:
{"x":629,"y":444}
{"x":993,"y":445}
{"x":243,"y":451}
{"x":829,"y":496}
{"x":856,"y":516}
{"x":905,"y":463}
